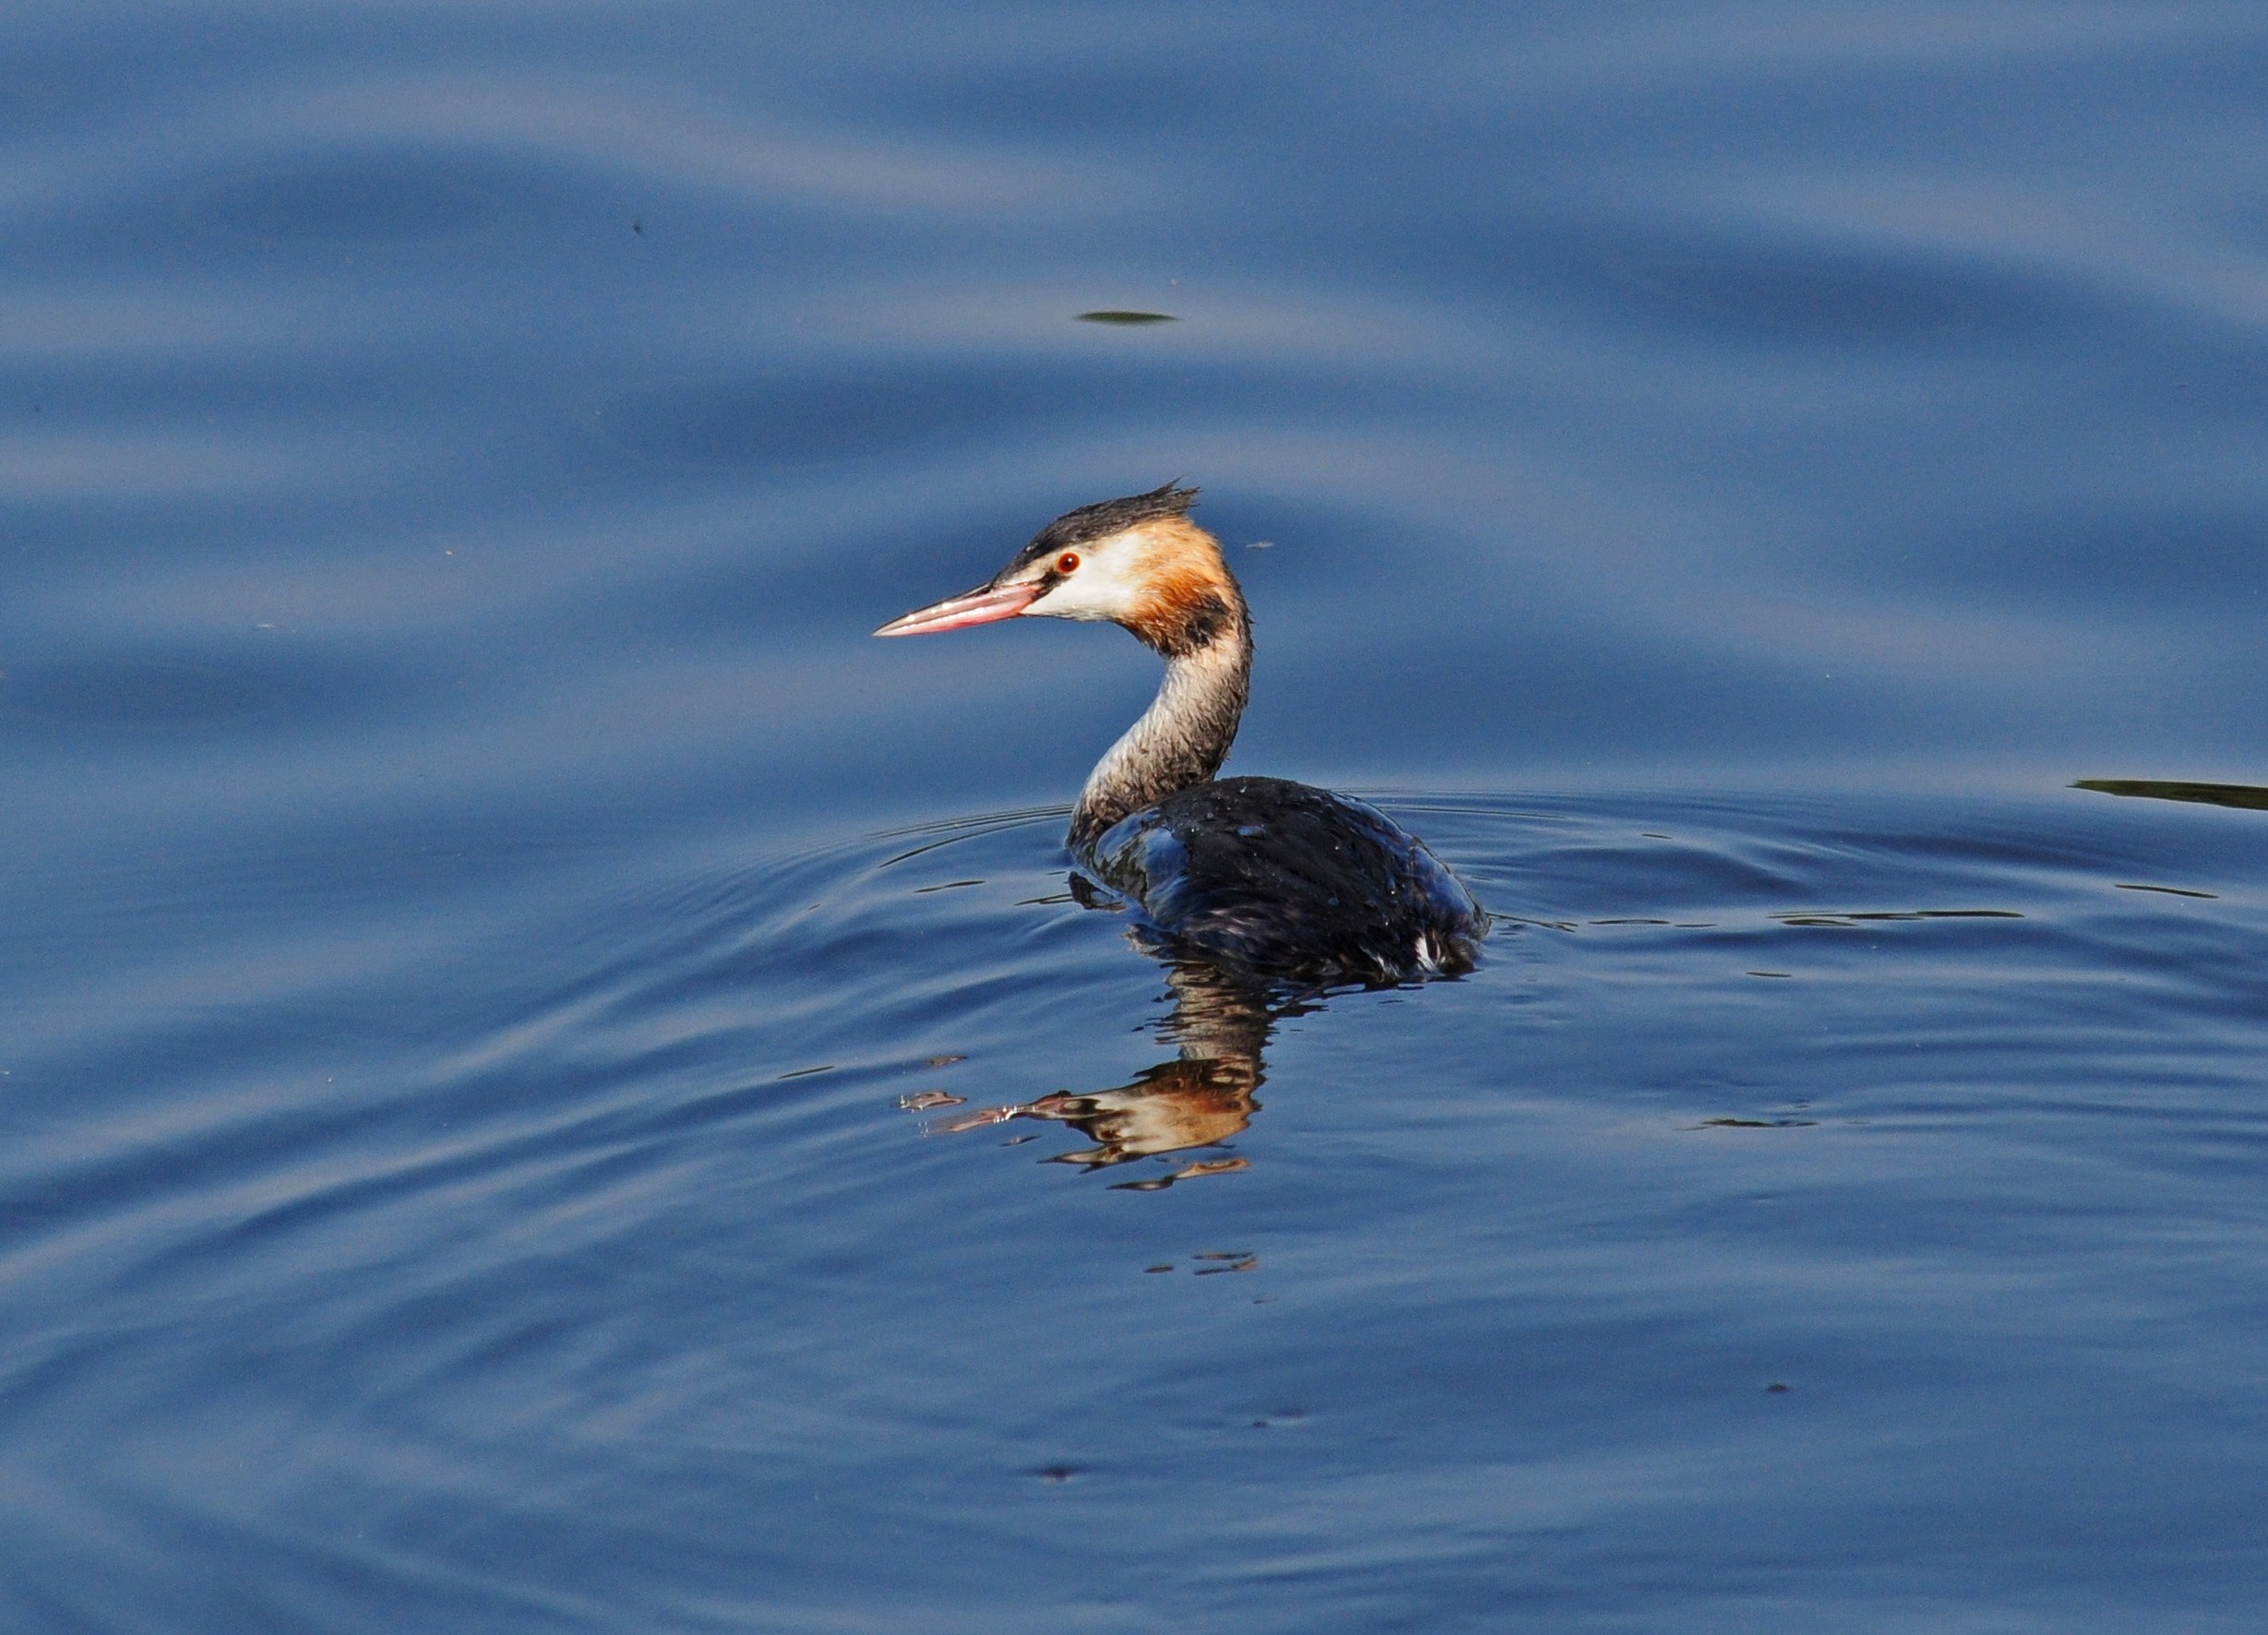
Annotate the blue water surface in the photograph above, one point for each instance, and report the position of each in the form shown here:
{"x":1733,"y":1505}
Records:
{"x":502,"y":975}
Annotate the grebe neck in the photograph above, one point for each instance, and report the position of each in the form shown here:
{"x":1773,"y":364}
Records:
{"x":1185,"y":734}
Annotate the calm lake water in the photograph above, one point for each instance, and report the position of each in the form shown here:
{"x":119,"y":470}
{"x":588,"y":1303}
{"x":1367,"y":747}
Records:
{"x":500,"y":971}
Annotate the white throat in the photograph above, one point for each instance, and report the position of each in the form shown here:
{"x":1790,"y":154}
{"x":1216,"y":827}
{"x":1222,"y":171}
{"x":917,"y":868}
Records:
{"x":1181,"y":739}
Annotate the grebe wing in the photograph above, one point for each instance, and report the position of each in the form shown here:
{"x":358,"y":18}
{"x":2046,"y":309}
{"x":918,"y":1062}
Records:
{"x":1287,"y":879}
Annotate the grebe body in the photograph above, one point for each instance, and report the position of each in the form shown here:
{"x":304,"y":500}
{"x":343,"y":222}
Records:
{"x":1278,"y":878}
{"x":1286,"y":877}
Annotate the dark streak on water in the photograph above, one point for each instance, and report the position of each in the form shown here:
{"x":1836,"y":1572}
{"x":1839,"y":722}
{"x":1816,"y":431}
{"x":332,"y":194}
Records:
{"x":486,"y":932}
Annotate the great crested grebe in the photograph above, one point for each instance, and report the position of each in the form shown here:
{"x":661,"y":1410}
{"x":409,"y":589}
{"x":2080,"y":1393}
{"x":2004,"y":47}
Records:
{"x":1276,"y":876}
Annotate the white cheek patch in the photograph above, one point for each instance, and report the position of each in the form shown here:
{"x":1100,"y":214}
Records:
{"x":1105,"y":585}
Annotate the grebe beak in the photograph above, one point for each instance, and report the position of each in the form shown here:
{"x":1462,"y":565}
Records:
{"x":980,"y":606}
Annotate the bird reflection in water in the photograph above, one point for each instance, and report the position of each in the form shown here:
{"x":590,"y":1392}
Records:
{"x":1202,"y":1097}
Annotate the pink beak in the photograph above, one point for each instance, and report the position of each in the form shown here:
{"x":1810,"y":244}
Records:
{"x":972,"y":607}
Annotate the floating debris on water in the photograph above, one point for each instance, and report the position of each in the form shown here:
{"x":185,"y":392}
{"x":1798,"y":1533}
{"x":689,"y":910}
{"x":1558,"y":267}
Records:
{"x":1240,"y":1263}
{"x":2211,"y":794}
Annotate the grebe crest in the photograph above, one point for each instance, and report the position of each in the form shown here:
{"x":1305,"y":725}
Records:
{"x":1276,"y":876}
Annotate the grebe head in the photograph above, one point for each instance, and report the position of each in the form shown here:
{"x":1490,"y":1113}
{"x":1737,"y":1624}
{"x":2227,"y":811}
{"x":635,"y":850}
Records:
{"x":1137,"y":562}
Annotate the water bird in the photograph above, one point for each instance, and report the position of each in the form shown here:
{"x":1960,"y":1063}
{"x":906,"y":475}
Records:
{"x":1277,"y":877}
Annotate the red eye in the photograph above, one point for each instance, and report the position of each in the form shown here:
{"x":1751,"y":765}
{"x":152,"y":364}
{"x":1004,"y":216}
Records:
{"x":1068,"y":562}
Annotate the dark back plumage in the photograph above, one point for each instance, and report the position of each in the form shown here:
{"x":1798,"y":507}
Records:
{"x":1288,"y":879}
